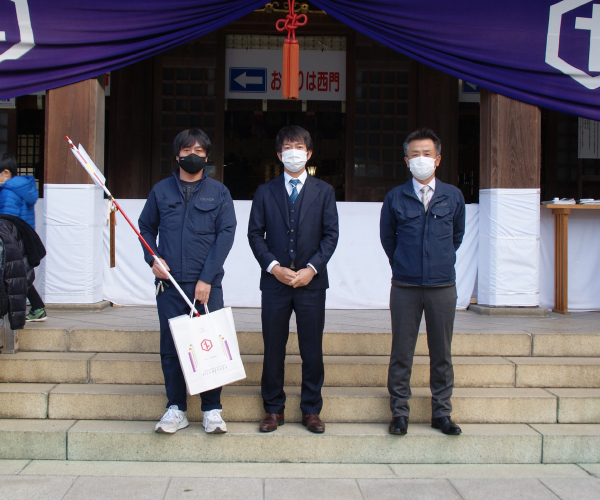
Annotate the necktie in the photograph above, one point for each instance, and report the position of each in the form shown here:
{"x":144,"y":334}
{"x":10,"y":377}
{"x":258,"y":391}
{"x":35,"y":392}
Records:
{"x":294,"y":194}
{"x":424,"y":197}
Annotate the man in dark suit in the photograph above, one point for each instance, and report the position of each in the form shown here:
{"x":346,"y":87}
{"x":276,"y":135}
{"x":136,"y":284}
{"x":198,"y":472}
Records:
{"x":422,"y":226}
{"x":293,"y":232}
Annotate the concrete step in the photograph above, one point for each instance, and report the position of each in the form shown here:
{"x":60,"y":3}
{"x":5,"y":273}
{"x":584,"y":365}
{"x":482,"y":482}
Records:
{"x":566,"y":344}
{"x":45,"y":367}
{"x":348,"y":371}
{"x":244,"y":403}
{"x":341,"y":443}
{"x":344,"y":344}
{"x":578,"y":406}
{"x":40,"y":439}
{"x":557,"y":372}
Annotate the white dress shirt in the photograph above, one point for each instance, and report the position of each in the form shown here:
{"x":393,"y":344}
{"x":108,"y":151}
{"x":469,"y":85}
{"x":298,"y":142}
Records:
{"x":418,"y":186}
{"x":289,"y":188}
{"x":287,"y":178}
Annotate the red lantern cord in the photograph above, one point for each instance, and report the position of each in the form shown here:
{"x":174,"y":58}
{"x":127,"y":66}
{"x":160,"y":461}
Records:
{"x":291,"y":52}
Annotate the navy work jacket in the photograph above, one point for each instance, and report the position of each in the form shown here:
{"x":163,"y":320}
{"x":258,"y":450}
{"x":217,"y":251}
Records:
{"x":194,"y":240}
{"x":421,"y":247}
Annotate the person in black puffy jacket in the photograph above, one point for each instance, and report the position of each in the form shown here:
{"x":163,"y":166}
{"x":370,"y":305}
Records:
{"x":14,"y":281}
{"x":18,"y":194}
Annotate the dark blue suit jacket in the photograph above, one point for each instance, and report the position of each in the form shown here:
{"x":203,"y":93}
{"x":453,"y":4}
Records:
{"x":317,"y":236}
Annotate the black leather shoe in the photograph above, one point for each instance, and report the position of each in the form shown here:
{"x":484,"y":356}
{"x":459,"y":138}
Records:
{"x":399,"y":426}
{"x":446,"y":425}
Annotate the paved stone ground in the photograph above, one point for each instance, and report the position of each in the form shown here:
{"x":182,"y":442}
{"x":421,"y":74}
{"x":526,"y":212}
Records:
{"x":69,"y":480}
{"x":336,"y":320}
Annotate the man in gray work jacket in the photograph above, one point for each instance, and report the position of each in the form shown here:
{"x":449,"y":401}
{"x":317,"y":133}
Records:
{"x":422,"y":226}
{"x":194,"y":218}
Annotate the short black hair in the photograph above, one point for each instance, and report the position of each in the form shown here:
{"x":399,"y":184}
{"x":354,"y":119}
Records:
{"x":420,"y":135}
{"x":9,"y":163}
{"x":293,"y":133}
{"x":187,"y":138}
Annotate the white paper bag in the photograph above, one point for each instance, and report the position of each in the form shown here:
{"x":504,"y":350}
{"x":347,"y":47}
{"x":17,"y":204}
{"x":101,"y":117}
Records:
{"x":208,"y":350}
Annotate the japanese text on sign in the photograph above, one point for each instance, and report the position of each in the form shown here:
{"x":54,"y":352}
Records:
{"x":325,"y":81}
{"x":322,"y":74}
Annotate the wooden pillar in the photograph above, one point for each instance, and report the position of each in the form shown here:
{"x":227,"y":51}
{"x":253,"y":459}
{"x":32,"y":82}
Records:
{"x":74,"y":207}
{"x":76,"y":110}
{"x":561,"y":226}
{"x":511,"y":143}
{"x":509,"y":204}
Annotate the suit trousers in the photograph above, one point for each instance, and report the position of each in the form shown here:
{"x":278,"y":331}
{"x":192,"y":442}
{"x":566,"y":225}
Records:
{"x":171,"y":304}
{"x":277,"y":307}
{"x":407,"y":305}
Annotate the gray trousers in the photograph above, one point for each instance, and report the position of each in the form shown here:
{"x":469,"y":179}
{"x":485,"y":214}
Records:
{"x":407,"y":305}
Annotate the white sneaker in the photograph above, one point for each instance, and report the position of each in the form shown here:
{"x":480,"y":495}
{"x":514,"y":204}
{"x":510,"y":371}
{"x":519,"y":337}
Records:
{"x":213,"y":423}
{"x":173,"y":420}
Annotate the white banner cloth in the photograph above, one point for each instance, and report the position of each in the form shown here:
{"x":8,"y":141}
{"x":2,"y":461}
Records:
{"x":359,"y":272}
{"x":509,"y":247}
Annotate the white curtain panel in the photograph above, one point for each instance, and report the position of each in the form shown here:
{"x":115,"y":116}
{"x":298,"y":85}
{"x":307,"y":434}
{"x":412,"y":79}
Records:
{"x":72,"y":230}
{"x":509,"y":247}
{"x":359,"y":272}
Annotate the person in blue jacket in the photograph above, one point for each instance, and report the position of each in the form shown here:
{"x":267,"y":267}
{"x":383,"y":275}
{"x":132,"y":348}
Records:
{"x":18,"y":194}
{"x":422,"y":225}
{"x":193,"y":217}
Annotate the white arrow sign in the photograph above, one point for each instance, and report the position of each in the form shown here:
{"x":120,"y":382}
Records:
{"x":244,"y":80}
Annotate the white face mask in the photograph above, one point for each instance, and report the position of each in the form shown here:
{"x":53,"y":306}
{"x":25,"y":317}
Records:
{"x":294,"y":159}
{"x":422,"y":167}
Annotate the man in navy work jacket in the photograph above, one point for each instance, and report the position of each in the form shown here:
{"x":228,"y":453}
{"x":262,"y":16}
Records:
{"x":293,"y":232}
{"x":422,"y":226}
{"x":193,"y":217}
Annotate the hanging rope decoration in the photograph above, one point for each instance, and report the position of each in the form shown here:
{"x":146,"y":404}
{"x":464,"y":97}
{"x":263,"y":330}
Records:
{"x":291,"y":52}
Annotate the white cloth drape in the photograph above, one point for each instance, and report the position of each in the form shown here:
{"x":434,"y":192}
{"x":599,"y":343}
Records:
{"x":359,"y":272}
{"x":509,"y":247}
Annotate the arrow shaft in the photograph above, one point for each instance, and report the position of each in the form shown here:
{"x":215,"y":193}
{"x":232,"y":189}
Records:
{"x":138,"y":234}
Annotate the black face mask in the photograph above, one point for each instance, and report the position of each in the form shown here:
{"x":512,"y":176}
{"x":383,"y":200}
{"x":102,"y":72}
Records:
{"x":192,"y":163}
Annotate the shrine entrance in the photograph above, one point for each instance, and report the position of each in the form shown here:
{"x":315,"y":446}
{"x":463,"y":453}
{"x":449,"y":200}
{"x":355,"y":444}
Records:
{"x":250,"y":157}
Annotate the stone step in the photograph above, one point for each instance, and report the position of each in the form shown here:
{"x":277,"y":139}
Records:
{"x":45,"y":367}
{"x":105,"y":440}
{"x":41,"y":339}
{"x":341,"y":443}
{"x":557,"y":372}
{"x":244,"y":404}
{"x":349,"y":371}
{"x":344,"y":344}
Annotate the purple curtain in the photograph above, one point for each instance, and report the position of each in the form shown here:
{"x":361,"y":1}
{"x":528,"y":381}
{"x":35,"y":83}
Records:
{"x":546,"y":53}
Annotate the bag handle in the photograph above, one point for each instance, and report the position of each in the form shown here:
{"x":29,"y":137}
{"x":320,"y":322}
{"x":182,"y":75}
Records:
{"x":194,"y":306}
